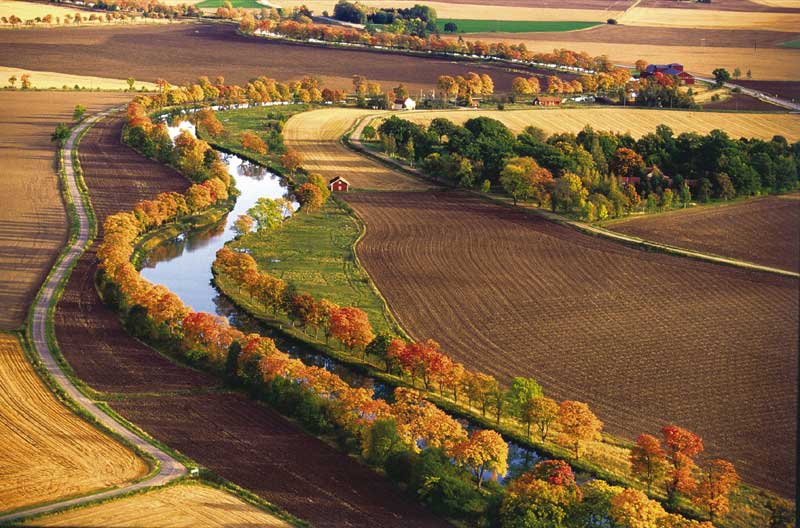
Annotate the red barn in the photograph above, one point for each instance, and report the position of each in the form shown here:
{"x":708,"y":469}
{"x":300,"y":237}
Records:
{"x":339,"y":184}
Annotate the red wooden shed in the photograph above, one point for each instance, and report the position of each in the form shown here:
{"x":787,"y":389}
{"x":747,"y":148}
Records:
{"x":339,"y":184}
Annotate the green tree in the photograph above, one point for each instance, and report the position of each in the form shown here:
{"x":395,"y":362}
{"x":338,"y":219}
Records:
{"x":78,"y":113}
{"x":522,"y":390}
{"x":60,"y":135}
{"x":269,"y":213}
{"x":369,"y":133}
{"x":686,"y":194}
{"x":721,"y":76}
{"x":131,"y":81}
{"x":569,"y":193}
{"x":523,"y":178}
{"x":379,"y":347}
{"x":450,"y":27}
{"x":737,"y":73}
{"x":486,"y":186}
{"x":667,"y":198}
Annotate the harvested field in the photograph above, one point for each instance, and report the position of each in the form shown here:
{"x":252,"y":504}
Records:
{"x":48,"y":452}
{"x":316,"y":135}
{"x":655,"y":17}
{"x":761,"y":230}
{"x":775,"y":6}
{"x":32,"y":219}
{"x":90,"y":336}
{"x":663,"y":36}
{"x":42,"y":80}
{"x":645,"y":338}
{"x":765,"y":64}
{"x":216,"y":49}
{"x":785,"y":89}
{"x":182,"y":506}
{"x":743,"y":102}
{"x":258,"y":449}
{"x":32,"y":10}
{"x":637,"y":121}
{"x":792,"y":4}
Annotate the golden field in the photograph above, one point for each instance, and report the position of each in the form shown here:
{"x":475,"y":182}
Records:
{"x":636,"y":121}
{"x":47,"y":451}
{"x":182,"y":506}
{"x":697,"y":18}
{"x":44,"y":80}
{"x":316,"y":135}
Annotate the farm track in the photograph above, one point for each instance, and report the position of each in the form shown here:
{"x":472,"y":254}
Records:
{"x":645,"y":338}
{"x":763,"y":230}
{"x":244,"y":442}
{"x":168,"y":468}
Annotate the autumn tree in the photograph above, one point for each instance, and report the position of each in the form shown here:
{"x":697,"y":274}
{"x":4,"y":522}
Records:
{"x":626,"y":163}
{"x":631,"y":508}
{"x":718,"y":477}
{"x":541,"y":411}
{"x":648,"y":460}
{"x":681,"y":446}
{"x":641,"y":65}
{"x":523,"y":178}
{"x":321,"y":183}
{"x":253,"y":143}
{"x":243,"y":225}
{"x":578,"y":425}
{"x":569,"y":193}
{"x":543,"y":497}
{"x":292,"y":160}
{"x":480,"y":387}
{"x":485,"y":450}
{"x":351,"y":327}
{"x":309,"y":196}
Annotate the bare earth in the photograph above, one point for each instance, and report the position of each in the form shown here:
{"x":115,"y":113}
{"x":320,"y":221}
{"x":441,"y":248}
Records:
{"x":646,"y":339}
{"x":47,"y":451}
{"x":316,"y":135}
{"x":763,"y":230}
{"x":182,"y":506}
{"x":32,"y":218}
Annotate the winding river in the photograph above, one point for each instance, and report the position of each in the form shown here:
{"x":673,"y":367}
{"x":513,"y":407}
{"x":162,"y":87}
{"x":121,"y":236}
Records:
{"x":184,"y":266}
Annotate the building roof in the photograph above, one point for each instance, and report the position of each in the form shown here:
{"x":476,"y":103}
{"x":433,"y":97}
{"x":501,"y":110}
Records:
{"x":338,"y":178}
{"x":548,"y":98}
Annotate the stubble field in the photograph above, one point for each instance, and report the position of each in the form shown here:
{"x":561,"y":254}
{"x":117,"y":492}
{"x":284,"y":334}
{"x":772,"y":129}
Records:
{"x":764,"y":230}
{"x":182,"y":506}
{"x":710,"y":19}
{"x":44,"y":80}
{"x":316,"y":135}
{"x":32,"y":219}
{"x":47,"y":451}
{"x":636,"y":121}
{"x":646,"y":339}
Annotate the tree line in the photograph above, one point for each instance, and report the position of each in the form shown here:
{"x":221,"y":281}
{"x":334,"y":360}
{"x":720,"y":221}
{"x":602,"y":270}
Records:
{"x":595,"y":174}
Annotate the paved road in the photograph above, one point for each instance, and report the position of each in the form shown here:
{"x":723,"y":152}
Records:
{"x":169,"y":468}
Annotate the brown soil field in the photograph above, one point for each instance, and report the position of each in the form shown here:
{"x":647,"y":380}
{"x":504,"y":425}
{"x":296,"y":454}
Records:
{"x":761,"y":230}
{"x":215,"y":49}
{"x":662,"y":36}
{"x":90,"y":336}
{"x":32,"y":219}
{"x":48,"y":452}
{"x":316,"y":135}
{"x":645,"y":338}
{"x":182,"y":506}
{"x":743,"y":102}
{"x":636,"y":121}
{"x":611,"y":5}
{"x":785,"y":89}
{"x":258,"y":449}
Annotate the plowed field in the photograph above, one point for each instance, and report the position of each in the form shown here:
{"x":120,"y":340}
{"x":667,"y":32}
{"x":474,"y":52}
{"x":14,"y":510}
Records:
{"x":47,"y":451}
{"x":316,"y":135}
{"x":216,"y":49}
{"x":32,"y":218}
{"x":764,"y":230}
{"x":91,"y":336}
{"x":644,"y":338}
{"x":258,"y":449}
{"x":183,"y":506}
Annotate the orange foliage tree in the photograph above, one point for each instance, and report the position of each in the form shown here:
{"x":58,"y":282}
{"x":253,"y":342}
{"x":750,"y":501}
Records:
{"x":718,"y":477}
{"x":578,"y":426}
{"x":485,"y":450}
{"x":254,"y":143}
{"x":648,"y":460}
{"x":681,"y":446}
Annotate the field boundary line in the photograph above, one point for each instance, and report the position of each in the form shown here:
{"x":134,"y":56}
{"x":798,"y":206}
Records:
{"x":40,"y":325}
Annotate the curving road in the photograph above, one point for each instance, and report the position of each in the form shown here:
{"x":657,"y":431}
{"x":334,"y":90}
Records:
{"x":169,"y":468}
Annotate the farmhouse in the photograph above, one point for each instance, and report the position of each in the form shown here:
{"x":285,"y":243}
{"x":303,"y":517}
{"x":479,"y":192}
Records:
{"x":404,"y":104}
{"x":339,"y":184}
{"x":544,"y":100}
{"x":668,"y":69}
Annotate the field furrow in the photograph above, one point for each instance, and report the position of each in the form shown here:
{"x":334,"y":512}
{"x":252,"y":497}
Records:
{"x":646,"y":339}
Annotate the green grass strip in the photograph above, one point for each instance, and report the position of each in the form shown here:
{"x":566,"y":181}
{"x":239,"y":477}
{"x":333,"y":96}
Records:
{"x":513,"y":26}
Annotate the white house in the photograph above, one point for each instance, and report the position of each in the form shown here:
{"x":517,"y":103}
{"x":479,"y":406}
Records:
{"x":407,"y":104}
